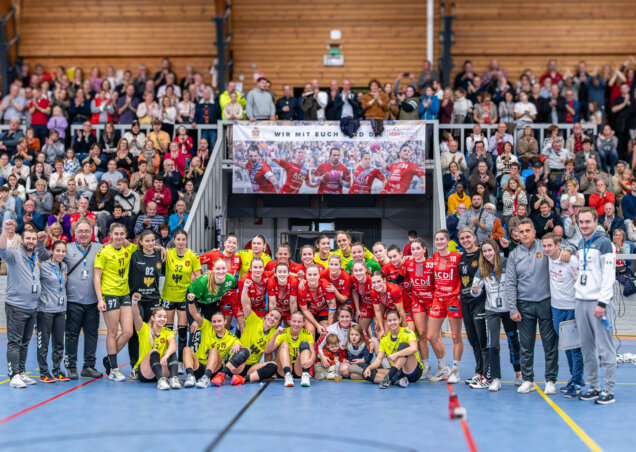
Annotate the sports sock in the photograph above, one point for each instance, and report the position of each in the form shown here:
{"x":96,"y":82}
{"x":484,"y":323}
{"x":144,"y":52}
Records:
{"x":456,"y":363}
{"x":306,"y":370}
{"x":426,"y":363}
{"x":442,"y":362}
{"x":393,"y":372}
{"x":113,"y":361}
{"x":189,"y":371}
{"x":225,"y":370}
{"x":155,"y":365}
{"x":183,"y":340}
{"x":208,"y":373}
{"x":286,"y":370}
{"x":173,"y":365}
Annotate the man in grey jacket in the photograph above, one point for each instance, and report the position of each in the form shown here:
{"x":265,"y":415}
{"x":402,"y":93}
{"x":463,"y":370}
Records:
{"x":478,"y":218}
{"x":23,"y":291}
{"x":260,"y":104}
{"x":527,"y":294}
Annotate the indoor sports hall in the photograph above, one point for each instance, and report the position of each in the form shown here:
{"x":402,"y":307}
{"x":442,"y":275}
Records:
{"x":193,"y":194}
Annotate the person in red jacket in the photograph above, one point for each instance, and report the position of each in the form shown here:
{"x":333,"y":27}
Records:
{"x":39,"y":109}
{"x":160,"y":194}
{"x":601,"y":197}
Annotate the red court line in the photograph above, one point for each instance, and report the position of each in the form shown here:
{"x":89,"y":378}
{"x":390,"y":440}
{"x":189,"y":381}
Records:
{"x":31,"y":408}
{"x":469,"y":437}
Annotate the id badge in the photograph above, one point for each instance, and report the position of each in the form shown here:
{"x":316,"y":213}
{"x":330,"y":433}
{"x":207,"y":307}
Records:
{"x":583,"y":279}
{"x":34,"y":288}
{"x":62,"y":299}
{"x":499,"y":303}
{"x":84,"y":274}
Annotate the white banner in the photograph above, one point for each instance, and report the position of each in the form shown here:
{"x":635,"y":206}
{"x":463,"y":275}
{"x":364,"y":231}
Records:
{"x":318,"y":158}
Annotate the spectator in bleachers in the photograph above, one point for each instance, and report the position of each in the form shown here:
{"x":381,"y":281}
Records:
{"x":621,"y":181}
{"x":555,"y":184}
{"x":150,"y":220}
{"x":456,"y":194}
{"x":486,"y":111}
{"x":556,"y":156}
{"x":475,"y":136}
{"x":169,"y":84}
{"x":497,"y":140}
{"x":347,"y":104}
{"x":9,"y":138}
{"x":462,"y":108}
{"x":168,"y":115}
{"x":124,"y":160}
{"x":521,"y":214}
{"x":482,"y":189}
{"x":504,"y":160}
{"x":127,"y":199}
{"x":53,"y":148}
{"x":483,"y":175}
{"x":233,"y":110}
{"x":17,"y":191}
{"x":524,"y":112}
{"x":574,"y":143}
{"x":23,"y":154}
{"x":208,"y":112}
{"x":30,"y":216}
{"x":446,"y":107}
{"x":101,"y":106}
{"x":497,"y":232}
{"x":542,"y":194}
{"x":452,"y":220}
{"x":513,"y":196}
{"x":151,"y":156}
{"x":545,"y":219}
{"x":7,"y":205}
{"x":109,"y":139}
{"x":120,"y":88}
{"x":260,"y":105}
{"x":596,"y":89}
{"x":429,"y":105}
{"x":185,"y":109}
{"x":628,"y":204}
{"x":162,"y":74}
{"x":595,"y":115}
{"x":112,"y":175}
{"x":87,"y":179}
{"x":478,"y":218}
{"x":179,"y":218}
{"x":172,"y":179}
{"x":464,"y":78}
{"x":141,"y":181}
{"x":586,"y":153}
{"x":427,"y":76}
{"x":60,"y":99}
{"x":188,"y":194}
{"x":541,"y":104}
{"x":58,"y":122}
{"x":601,"y":197}
{"x":610,"y":221}
{"x":552,"y":73}
{"x":592,"y":173}
{"x":390,"y":114}
{"x":528,"y":149}
{"x":58,"y":181}
{"x":376,"y":102}
{"x":13,"y":105}
{"x":515,"y":171}
{"x":557,"y":106}
{"x":84,"y":140}
{"x":136,"y":139}
{"x":101,"y":204}
{"x":569,"y":198}
{"x":72,"y":164}
{"x":5,"y":168}
{"x":506,"y":111}
{"x":286,"y":106}
{"x":42,"y":198}
{"x":479,"y":155}
{"x":623,"y":112}
{"x":39,"y":109}
{"x":159,"y":139}
{"x":148,"y":110}
{"x":97,"y":162}
{"x":70,"y":196}
{"x":127,"y":106}
{"x":454,"y":155}
{"x":408,"y":102}
{"x":160,"y":194}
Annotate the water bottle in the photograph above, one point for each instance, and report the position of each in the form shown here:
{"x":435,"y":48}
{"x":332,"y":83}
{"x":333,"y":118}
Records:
{"x":337,"y":377}
{"x":606,"y":323}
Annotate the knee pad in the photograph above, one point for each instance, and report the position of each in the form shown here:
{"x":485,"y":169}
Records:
{"x":304,"y":345}
{"x":183,"y":332}
{"x":402,"y":346}
{"x":170,"y":326}
{"x":267,"y":371}
{"x":239,"y":358}
{"x":371,"y":378}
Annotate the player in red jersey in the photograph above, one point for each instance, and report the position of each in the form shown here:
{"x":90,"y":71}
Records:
{"x":361,"y":294}
{"x":332,"y":175}
{"x":296,"y":171}
{"x":391,"y":271}
{"x":316,"y":303}
{"x":306,"y":259}
{"x":418,"y":271}
{"x":380,"y":253}
{"x":256,"y":292}
{"x":261,"y":175}
{"x":446,"y":303}
{"x":282,"y":291}
{"x":364,"y":176}
{"x":230,"y":304}
{"x":402,"y":173}
{"x":386,"y":297}
{"x":283,"y":255}
{"x":340,"y":281}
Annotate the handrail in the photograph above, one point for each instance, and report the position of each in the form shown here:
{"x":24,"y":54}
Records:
{"x":99,"y":128}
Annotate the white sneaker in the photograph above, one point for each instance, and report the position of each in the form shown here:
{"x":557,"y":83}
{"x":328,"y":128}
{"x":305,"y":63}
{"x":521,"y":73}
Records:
{"x":26,"y":379}
{"x":481,"y":384}
{"x":518,"y":380}
{"x":116,"y":375}
{"x":16,"y":382}
{"x":181,"y":369}
{"x":175,"y":383}
{"x":304,"y":380}
{"x":526,"y":387}
{"x":442,"y":374}
{"x":495,"y":385}
{"x":162,"y":384}
{"x":475,"y":378}
{"x":203,"y":382}
{"x":190,"y":381}
{"x":454,"y":375}
{"x":427,"y":373}
{"x":289,"y":380}
{"x":331,"y":375}
{"x":402,"y":382}
{"x":550,"y":388}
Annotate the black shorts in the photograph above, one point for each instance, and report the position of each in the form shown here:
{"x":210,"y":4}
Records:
{"x":146,"y":307}
{"x":114,"y":302}
{"x":415,"y":375}
{"x":143,"y":379}
{"x":172,"y":306}
{"x":321,"y":318}
{"x":207,"y":310}
{"x":246,"y":369}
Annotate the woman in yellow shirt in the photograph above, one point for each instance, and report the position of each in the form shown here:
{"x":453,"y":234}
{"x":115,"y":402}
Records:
{"x":323,"y":245}
{"x":157,"y":347}
{"x":259,"y":245}
{"x":343,"y":240}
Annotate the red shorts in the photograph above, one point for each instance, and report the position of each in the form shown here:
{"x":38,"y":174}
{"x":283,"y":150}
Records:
{"x":445,"y":307}
{"x":419,"y":306}
{"x":227,"y":302}
{"x":261,"y":311}
{"x":366,"y":311}
{"x":237,"y":307}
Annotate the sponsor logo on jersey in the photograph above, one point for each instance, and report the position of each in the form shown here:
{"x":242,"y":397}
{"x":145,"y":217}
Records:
{"x":539,"y":255}
{"x":453,"y":308}
{"x":474,"y":264}
{"x":148,"y":281}
{"x":187,"y":263}
{"x":465,"y":280}
{"x":159,"y":265}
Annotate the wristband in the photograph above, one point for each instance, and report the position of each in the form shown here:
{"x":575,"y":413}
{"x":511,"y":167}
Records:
{"x":600,"y":304}
{"x":331,"y":309}
{"x":134,"y":301}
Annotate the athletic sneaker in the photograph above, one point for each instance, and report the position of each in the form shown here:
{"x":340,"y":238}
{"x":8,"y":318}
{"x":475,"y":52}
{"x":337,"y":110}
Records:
{"x":28,"y":380}
{"x":181,"y":369}
{"x":190,"y":381}
{"x":163,"y":384}
{"x":442,"y":374}
{"x":481,"y":384}
{"x":573,"y":392}
{"x":304,"y":380}
{"x":116,"y":375}
{"x":526,"y":387}
{"x":402,"y":382}
{"x":73,"y":375}
{"x":237,"y":380}
{"x":106,"y":363}
{"x":16,"y":382}
{"x":518,"y":380}
{"x":331,"y":375}
{"x":203,"y":382}
{"x":550,"y":388}
{"x":47,"y":378}
{"x":175,"y":383}
{"x":495,"y":385}
{"x":567,"y":387}
{"x":454,"y":375}
{"x":289,"y":380}
{"x":89,"y":371}
{"x":133,"y":374}
{"x":426,"y":373}
{"x":60,"y":376}
{"x":474,"y":379}
{"x":218,"y":379}
{"x":592,"y":394}
{"x":386,"y":382}
{"x":605,"y":398}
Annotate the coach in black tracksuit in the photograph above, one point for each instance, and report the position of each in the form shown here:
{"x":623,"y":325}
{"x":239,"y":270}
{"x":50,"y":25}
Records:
{"x":473,"y":308}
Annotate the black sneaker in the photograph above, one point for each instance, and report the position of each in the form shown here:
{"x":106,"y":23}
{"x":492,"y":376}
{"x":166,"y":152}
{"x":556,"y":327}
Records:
{"x":385,"y":383}
{"x":72,"y":373}
{"x":91,"y":372}
{"x":605,"y":398}
{"x":592,"y":394}
{"x":106,"y":363}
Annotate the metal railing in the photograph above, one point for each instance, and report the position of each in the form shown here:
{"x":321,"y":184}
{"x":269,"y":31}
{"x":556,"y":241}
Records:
{"x":123,"y":128}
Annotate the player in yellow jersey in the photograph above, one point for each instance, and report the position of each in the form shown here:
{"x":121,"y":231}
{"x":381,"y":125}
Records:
{"x":113,"y":295}
{"x":182,"y":267}
{"x":208,"y":363}
{"x":295,"y":348}
{"x":257,"y":334}
{"x":157,"y":347}
{"x":323,"y":245}
{"x":343,"y":240}
{"x":400,"y":347}
{"x":258,"y":250}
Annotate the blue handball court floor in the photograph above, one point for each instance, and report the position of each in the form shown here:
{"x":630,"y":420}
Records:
{"x":98,"y":414}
